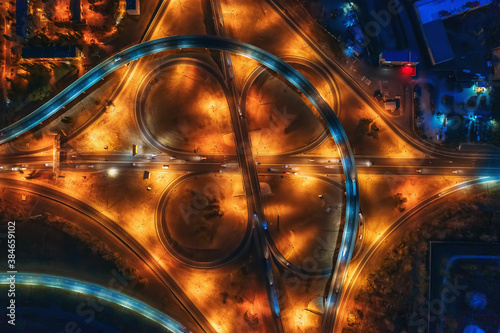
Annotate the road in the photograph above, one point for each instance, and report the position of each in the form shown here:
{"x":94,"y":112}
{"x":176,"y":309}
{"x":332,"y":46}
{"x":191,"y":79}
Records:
{"x":249,"y":173}
{"x":464,"y":165}
{"x":299,"y":81}
{"x":119,"y":234}
{"x":143,"y":87}
{"x":296,"y":24}
{"x":162,"y":231}
{"x":86,"y":288}
{"x":397,"y":230}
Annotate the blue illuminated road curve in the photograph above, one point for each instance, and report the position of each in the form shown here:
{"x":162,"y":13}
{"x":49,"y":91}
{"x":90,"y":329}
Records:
{"x":53,"y":281}
{"x":265,"y":58}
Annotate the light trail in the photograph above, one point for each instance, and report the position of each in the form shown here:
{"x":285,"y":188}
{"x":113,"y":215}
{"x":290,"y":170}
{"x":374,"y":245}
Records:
{"x":58,"y":282}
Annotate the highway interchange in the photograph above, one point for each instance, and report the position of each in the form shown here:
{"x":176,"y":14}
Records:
{"x":274,"y":63}
{"x":438,"y":162}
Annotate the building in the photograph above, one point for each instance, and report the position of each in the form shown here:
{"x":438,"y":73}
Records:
{"x":430,"y":15}
{"x":21,"y":18}
{"x":49,"y":52}
{"x":390,"y":106}
{"x":76,"y":10}
{"x":407,"y":55}
{"x":133,"y":7}
{"x":398,"y":58}
{"x":495,"y":63}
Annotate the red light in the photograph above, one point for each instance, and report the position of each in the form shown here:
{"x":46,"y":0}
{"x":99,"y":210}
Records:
{"x":408,"y":70}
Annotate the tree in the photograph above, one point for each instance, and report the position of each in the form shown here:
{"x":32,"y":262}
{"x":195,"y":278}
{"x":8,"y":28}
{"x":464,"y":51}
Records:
{"x":363,"y":125}
{"x":40,"y":93}
{"x":354,"y":317}
{"x":400,"y":201}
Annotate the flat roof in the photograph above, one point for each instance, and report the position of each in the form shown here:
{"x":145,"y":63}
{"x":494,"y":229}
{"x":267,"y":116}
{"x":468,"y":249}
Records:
{"x":437,"y":42}
{"x":76,"y":14}
{"x":131,"y":4}
{"x":496,"y":63}
{"x":59,"y":51}
{"x":21,"y":12}
{"x":431,"y":10}
{"x":400,"y":55}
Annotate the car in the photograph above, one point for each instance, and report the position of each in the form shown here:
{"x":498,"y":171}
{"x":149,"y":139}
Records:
{"x":419,"y":170}
{"x":203,"y":157}
{"x":257,"y":163}
{"x":172,"y":157}
{"x":117,"y":59}
{"x":455,"y":171}
{"x":289,"y":173}
{"x":165,"y":166}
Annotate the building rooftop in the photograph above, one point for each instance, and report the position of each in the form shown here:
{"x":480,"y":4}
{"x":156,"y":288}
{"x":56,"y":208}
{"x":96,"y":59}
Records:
{"x":133,"y":7}
{"x":21,"y":12}
{"x":437,"y":42}
{"x":131,"y":4}
{"x":400,"y":56}
{"x":495,"y":59}
{"x":58,"y":51}
{"x":76,"y":14}
{"x":432,"y":10}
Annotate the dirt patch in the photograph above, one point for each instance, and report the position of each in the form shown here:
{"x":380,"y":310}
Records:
{"x":186,"y":108}
{"x":306,"y":221}
{"x":203,"y":214}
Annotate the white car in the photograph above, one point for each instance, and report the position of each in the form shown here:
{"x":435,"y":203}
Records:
{"x":165,"y":167}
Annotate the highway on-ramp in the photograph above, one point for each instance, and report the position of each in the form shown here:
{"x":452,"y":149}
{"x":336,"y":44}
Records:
{"x":107,"y":294}
{"x":267,"y":59}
